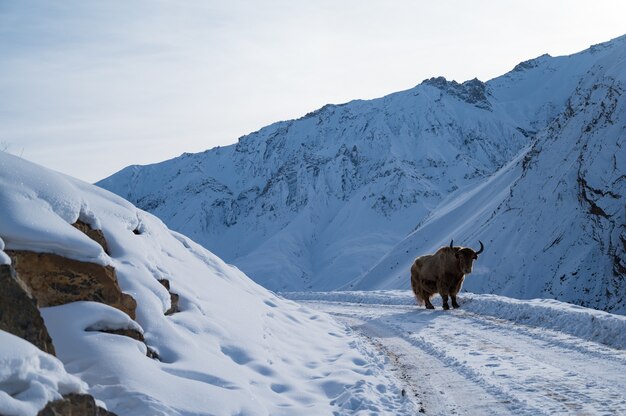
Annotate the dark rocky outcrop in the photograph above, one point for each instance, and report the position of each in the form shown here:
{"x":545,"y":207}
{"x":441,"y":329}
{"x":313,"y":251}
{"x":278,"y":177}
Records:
{"x":56,"y":280}
{"x":95,"y":235}
{"x":174,"y":298}
{"x":18,"y":311}
{"x":74,"y":405}
{"x":473,"y":91}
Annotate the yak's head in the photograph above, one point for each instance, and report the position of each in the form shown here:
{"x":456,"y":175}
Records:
{"x":466,"y":257}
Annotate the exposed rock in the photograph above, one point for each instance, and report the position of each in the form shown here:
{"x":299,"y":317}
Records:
{"x":153,"y":354}
{"x":56,"y":280}
{"x":18,"y":311}
{"x":131,"y":333}
{"x":128,"y":332}
{"x":95,"y":235}
{"x":473,"y":91}
{"x":74,"y":405}
{"x":174,"y":298}
{"x":531,"y":63}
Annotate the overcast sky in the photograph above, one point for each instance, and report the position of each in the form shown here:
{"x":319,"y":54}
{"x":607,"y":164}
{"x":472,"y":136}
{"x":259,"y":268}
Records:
{"x":89,"y":87}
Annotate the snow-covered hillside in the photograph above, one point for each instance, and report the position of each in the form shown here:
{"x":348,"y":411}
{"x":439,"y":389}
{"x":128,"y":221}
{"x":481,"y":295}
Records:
{"x":229,"y":347}
{"x":531,"y":162}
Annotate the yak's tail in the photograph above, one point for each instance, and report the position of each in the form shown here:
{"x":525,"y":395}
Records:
{"x":416,"y":291}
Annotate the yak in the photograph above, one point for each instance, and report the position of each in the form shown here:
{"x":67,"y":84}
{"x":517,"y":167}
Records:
{"x":443,"y":273}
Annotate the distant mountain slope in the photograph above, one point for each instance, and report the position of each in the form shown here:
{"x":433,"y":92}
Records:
{"x":314,"y":203}
{"x":554,"y":220}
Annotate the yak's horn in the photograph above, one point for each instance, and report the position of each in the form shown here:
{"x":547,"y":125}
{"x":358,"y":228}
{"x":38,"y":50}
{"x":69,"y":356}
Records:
{"x":481,"y":247}
{"x":451,"y":243}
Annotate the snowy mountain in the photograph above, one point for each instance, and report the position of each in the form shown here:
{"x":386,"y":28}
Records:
{"x":348,"y":195}
{"x":313,"y":202}
{"x":190,"y":334}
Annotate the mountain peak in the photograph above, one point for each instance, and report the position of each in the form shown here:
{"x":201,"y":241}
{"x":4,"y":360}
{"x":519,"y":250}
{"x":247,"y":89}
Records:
{"x":472,"y":91}
{"x":531,"y":63}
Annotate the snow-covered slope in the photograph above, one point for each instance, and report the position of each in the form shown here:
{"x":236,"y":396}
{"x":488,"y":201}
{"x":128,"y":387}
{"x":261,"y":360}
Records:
{"x":554,"y":219}
{"x":232,"y":348}
{"x":315,"y":203}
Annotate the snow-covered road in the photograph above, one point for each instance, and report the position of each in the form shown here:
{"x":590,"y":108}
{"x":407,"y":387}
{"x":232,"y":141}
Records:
{"x":465,"y":362}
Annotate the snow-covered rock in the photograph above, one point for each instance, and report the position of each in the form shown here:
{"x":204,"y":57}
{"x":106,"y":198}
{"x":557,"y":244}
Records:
{"x":327,"y":200}
{"x":30,"y":378}
{"x":231,"y":348}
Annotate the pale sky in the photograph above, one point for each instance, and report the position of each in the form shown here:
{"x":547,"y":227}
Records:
{"x":89,"y":87}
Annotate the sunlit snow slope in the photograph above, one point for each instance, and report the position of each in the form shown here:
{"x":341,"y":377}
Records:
{"x":233,"y":348}
{"x":531,"y":162}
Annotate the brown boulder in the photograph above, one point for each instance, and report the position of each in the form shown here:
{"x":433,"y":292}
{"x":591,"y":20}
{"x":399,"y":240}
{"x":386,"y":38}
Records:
{"x":95,"y":235}
{"x":18,"y":312}
{"x":74,"y":405}
{"x":56,"y":280}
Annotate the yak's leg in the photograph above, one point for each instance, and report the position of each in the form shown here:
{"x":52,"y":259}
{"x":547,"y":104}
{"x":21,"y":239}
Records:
{"x":454,"y":304}
{"x":456,"y":289}
{"x":427,"y":301}
{"x":445,"y":302}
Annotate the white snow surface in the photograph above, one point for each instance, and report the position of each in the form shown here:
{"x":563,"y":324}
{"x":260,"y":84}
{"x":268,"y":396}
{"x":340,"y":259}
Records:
{"x":584,"y":323}
{"x":30,"y":378}
{"x":494,"y":355}
{"x":532,"y":163}
{"x":4,"y":259}
{"x":233,"y":349}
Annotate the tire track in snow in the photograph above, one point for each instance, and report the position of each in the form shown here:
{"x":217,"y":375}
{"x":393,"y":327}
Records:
{"x":514,"y":368}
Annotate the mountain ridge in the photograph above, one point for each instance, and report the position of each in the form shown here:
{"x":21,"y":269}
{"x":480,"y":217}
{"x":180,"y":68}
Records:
{"x":313,"y":203}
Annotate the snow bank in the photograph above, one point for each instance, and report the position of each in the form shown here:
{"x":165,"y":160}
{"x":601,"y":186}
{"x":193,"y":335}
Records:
{"x":233,"y":347}
{"x":584,"y":323}
{"x":4,"y":259}
{"x":30,"y":378}
{"x":37,"y":206}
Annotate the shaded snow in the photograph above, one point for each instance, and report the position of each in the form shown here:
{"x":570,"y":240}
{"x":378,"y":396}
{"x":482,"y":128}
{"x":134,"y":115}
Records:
{"x":30,"y":378}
